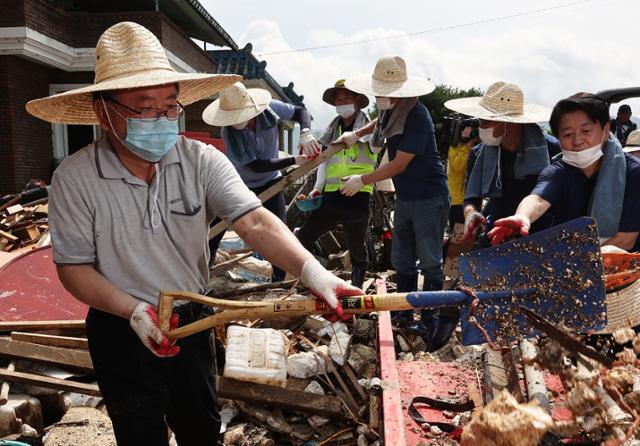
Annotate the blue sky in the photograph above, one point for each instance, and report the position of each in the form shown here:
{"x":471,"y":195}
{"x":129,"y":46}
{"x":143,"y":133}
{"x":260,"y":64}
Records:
{"x":587,"y":46}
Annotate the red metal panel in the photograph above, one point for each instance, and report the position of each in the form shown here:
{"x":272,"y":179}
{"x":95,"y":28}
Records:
{"x":30,"y":290}
{"x":391,"y":402}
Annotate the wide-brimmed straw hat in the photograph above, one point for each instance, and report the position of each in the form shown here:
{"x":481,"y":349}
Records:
{"x":633,"y":142}
{"x":236,"y":104}
{"x":502,"y":102}
{"x":623,"y":308}
{"x":329,"y":95}
{"x":389,"y":79}
{"x":127,"y":56}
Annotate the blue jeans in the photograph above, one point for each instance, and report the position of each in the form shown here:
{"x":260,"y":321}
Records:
{"x":417,"y":236}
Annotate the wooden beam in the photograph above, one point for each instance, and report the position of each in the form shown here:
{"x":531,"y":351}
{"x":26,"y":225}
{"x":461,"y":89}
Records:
{"x":4,"y":388}
{"x":52,"y":340}
{"x":327,"y":406}
{"x":285,"y":181}
{"x":49,"y":382}
{"x":65,"y":357}
{"x":40,"y":325}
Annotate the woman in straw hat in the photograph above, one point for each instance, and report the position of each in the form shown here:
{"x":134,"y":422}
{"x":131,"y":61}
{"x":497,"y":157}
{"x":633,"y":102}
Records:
{"x":503,"y":169}
{"x":249,"y":119}
{"x":128,"y":217}
{"x":594,"y":177}
{"x":422,"y":197}
{"x":353,"y":211}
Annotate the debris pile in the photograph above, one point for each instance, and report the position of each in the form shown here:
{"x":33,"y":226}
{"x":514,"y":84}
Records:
{"x":23,"y":226}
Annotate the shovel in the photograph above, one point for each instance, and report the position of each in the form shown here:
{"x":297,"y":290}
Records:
{"x":531,"y":272}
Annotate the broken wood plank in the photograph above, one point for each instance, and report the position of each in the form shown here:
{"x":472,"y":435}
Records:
{"x":11,"y":202}
{"x":16,"y":208}
{"x":51,"y":340}
{"x":4,"y":389}
{"x":327,"y":406}
{"x":66,"y":357}
{"x":8,"y":236}
{"x":346,"y":368}
{"x":49,"y":382}
{"x":240,"y":290}
{"x":41,"y":325}
{"x":221,"y":267}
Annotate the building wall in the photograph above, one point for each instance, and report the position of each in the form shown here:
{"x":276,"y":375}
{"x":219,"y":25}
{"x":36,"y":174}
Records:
{"x":26,"y":150}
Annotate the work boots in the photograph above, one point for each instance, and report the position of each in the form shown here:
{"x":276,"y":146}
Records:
{"x":358,"y":273}
{"x":436,"y":325}
{"x":405,"y":284}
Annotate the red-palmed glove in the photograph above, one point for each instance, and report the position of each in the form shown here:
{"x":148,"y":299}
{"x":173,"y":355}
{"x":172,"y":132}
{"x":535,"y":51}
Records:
{"x":505,"y":228}
{"x":325,"y":286}
{"x":144,"y":321}
{"x":472,"y":222}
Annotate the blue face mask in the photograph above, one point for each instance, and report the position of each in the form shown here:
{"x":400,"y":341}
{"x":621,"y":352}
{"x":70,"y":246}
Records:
{"x":151,"y":140}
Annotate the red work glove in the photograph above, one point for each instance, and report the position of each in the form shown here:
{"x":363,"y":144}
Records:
{"x":472,"y":222}
{"x":506,"y":228}
{"x":144,"y":321}
{"x":327,"y":287}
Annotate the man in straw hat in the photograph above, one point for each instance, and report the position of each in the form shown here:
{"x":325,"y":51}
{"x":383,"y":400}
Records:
{"x":358,"y":159}
{"x":128,"y":218}
{"x":633,"y":143}
{"x":513,"y":151}
{"x":249,"y":119}
{"x":422,"y":196}
{"x":594,"y":177}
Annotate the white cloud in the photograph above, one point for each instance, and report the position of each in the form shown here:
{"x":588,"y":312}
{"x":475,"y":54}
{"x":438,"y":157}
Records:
{"x":548,"y":64}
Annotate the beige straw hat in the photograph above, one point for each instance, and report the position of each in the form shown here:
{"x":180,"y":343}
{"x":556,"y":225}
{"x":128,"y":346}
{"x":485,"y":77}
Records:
{"x":236,"y":104}
{"x":127,"y":56}
{"x":623,"y":308}
{"x":501,"y":102}
{"x":329,"y":95}
{"x":389,"y":79}
{"x":633,"y":142}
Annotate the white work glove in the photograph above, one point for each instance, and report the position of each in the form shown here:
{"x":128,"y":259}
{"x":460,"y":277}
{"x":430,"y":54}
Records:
{"x":473,"y":221}
{"x":353,"y":184}
{"x":315,"y":193}
{"x":347,"y":138}
{"x":610,"y":249}
{"x":144,"y":321}
{"x":301,"y":159}
{"x":325,"y":286}
{"x":310,"y":146}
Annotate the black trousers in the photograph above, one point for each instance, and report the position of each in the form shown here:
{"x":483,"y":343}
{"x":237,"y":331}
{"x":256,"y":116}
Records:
{"x":277,"y":206}
{"x":144,"y":394}
{"x":355,"y":223}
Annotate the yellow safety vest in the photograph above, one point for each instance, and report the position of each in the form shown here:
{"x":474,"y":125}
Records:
{"x":355,"y":160}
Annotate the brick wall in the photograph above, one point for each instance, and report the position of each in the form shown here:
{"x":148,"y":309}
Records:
{"x":26,"y":149}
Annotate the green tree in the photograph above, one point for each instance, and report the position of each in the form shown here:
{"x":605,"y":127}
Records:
{"x":435,"y":103}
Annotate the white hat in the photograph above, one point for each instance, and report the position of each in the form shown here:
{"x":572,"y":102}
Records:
{"x":236,"y":104}
{"x":633,"y":142}
{"x":389,"y":79}
{"x":501,"y":102}
{"x":127,"y":56}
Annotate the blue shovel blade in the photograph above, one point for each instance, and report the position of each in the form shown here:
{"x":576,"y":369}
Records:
{"x":562,"y":265}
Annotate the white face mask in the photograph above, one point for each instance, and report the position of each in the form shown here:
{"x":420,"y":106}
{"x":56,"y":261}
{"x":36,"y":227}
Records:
{"x":240,"y":125}
{"x":383,"y":103}
{"x":487,"y":138}
{"x":345,"y":110}
{"x":583,"y":158}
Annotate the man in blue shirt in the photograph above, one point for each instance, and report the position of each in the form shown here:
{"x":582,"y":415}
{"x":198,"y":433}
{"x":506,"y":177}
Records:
{"x":249,"y":121}
{"x":422,"y":200}
{"x":594,"y":177}
{"x":504,"y":168}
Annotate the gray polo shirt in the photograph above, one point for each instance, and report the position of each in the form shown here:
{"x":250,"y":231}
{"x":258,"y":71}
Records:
{"x":100,"y":214}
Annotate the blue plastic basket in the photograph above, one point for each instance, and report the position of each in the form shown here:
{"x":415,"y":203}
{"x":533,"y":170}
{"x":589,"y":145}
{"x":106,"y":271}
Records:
{"x":310,"y":204}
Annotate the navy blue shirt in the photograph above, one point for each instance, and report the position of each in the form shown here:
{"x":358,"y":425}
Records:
{"x":569,"y":191}
{"x":424,"y":177}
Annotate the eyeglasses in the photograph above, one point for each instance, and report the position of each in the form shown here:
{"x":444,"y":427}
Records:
{"x":172,"y":112}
